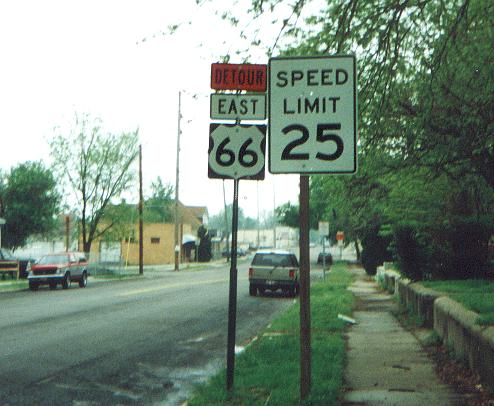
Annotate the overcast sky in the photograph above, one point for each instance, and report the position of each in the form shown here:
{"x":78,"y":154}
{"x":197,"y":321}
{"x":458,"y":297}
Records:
{"x":112,"y":60}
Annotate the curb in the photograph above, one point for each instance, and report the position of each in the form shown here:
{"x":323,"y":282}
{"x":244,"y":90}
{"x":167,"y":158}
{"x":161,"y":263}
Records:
{"x":455,"y":324}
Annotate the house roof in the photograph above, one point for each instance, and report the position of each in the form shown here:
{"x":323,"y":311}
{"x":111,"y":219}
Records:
{"x":192,"y":214}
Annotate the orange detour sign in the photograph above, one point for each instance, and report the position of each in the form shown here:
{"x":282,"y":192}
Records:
{"x":229,"y":76}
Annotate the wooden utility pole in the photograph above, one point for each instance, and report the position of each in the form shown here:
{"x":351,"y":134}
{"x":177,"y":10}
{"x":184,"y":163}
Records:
{"x":67,"y":233}
{"x":141,"y":233}
{"x":177,"y":173}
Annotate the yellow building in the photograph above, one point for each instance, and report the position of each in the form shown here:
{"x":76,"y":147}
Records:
{"x":158,"y":241}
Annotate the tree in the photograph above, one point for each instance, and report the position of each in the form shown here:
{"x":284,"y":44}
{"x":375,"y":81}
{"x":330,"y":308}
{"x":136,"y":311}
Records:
{"x":288,"y":215}
{"x":158,"y":207}
{"x":30,"y":203}
{"x":453,"y":110}
{"x":204,"y":253}
{"x":426,"y":113}
{"x":97,"y":167}
{"x":217,"y":221}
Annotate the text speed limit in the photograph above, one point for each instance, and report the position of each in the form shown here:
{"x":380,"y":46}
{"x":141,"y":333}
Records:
{"x":313,"y":114}
{"x":236,"y":151}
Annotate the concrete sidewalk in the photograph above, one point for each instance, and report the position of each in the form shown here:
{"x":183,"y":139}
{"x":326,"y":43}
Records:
{"x":386,"y":364}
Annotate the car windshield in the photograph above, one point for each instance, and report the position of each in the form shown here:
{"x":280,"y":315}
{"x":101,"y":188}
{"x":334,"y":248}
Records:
{"x":271,"y":259}
{"x":54,"y":259}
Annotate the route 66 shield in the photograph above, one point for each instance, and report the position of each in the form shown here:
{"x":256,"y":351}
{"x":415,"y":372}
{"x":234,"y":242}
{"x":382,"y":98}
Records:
{"x":236,"y":151}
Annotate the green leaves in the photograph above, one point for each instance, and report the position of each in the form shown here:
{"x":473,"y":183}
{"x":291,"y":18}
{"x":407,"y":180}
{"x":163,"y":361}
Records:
{"x":30,"y":203}
{"x":96,"y":167}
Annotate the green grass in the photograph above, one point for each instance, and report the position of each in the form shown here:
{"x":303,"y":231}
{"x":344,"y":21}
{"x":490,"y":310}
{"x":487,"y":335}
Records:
{"x":474,"y":294}
{"x":12,"y":285}
{"x":116,"y":276}
{"x":267,"y":373}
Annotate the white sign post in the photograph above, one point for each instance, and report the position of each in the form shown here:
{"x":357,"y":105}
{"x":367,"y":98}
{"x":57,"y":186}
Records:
{"x":313,"y":115}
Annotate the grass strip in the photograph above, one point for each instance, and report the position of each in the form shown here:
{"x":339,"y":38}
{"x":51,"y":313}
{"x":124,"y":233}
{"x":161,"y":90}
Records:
{"x":475,"y":294}
{"x":116,"y":276}
{"x":267,"y":373}
{"x":8,"y":286}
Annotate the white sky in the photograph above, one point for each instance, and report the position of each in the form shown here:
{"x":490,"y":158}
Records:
{"x":61,"y":57}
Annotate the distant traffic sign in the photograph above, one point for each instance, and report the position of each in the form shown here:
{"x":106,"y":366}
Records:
{"x":238,"y":106}
{"x":313,"y":115}
{"x":236,"y":151}
{"x":229,"y":76}
{"x":323,"y":228}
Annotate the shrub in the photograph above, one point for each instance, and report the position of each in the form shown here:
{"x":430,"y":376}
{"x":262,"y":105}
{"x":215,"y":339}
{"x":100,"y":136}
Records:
{"x":460,"y":249}
{"x":411,"y":251}
{"x":374,"y":249}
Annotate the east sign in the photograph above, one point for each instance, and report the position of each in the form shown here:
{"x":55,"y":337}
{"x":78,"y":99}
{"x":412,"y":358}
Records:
{"x":238,"y":106}
{"x":313,"y":115}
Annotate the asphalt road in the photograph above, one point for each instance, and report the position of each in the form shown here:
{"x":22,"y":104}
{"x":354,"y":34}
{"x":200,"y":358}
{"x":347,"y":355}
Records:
{"x":145,"y":341}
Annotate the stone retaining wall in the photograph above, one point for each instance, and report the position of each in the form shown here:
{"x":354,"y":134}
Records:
{"x":455,"y":324}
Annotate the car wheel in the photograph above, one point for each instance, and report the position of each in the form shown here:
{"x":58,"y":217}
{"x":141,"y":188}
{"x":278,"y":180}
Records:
{"x":53,"y":285}
{"x":66,"y":281}
{"x":296,"y":290}
{"x":261,"y":290}
{"x":33,"y":286}
{"x":83,"y":281}
{"x":252,"y":290}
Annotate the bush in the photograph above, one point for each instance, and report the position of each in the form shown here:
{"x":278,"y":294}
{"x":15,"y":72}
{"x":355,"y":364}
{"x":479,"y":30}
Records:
{"x":374,"y":250}
{"x":411,"y":249}
{"x":204,"y":251}
{"x":460,"y":250}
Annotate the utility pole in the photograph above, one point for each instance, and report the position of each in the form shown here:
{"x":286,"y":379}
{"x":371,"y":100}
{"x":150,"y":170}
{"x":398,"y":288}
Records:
{"x":141,"y":233}
{"x":67,"y":233}
{"x":177,"y":173}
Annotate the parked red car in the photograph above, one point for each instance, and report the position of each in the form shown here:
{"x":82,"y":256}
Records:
{"x":60,"y":268}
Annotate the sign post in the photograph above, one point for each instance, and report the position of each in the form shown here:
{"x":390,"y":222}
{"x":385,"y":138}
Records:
{"x":236,"y":152}
{"x":340,"y":237}
{"x":323,"y":233}
{"x":312,"y":129}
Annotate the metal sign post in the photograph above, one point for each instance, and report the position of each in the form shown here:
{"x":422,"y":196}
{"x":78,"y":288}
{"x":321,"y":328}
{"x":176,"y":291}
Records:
{"x":232,"y":302}
{"x":236,"y":152}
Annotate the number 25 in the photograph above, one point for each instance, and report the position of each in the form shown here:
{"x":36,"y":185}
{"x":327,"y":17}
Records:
{"x":322,"y":136}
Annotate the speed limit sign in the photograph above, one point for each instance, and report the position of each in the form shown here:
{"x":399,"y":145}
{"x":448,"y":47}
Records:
{"x":313,"y":115}
{"x":236,"y":151}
